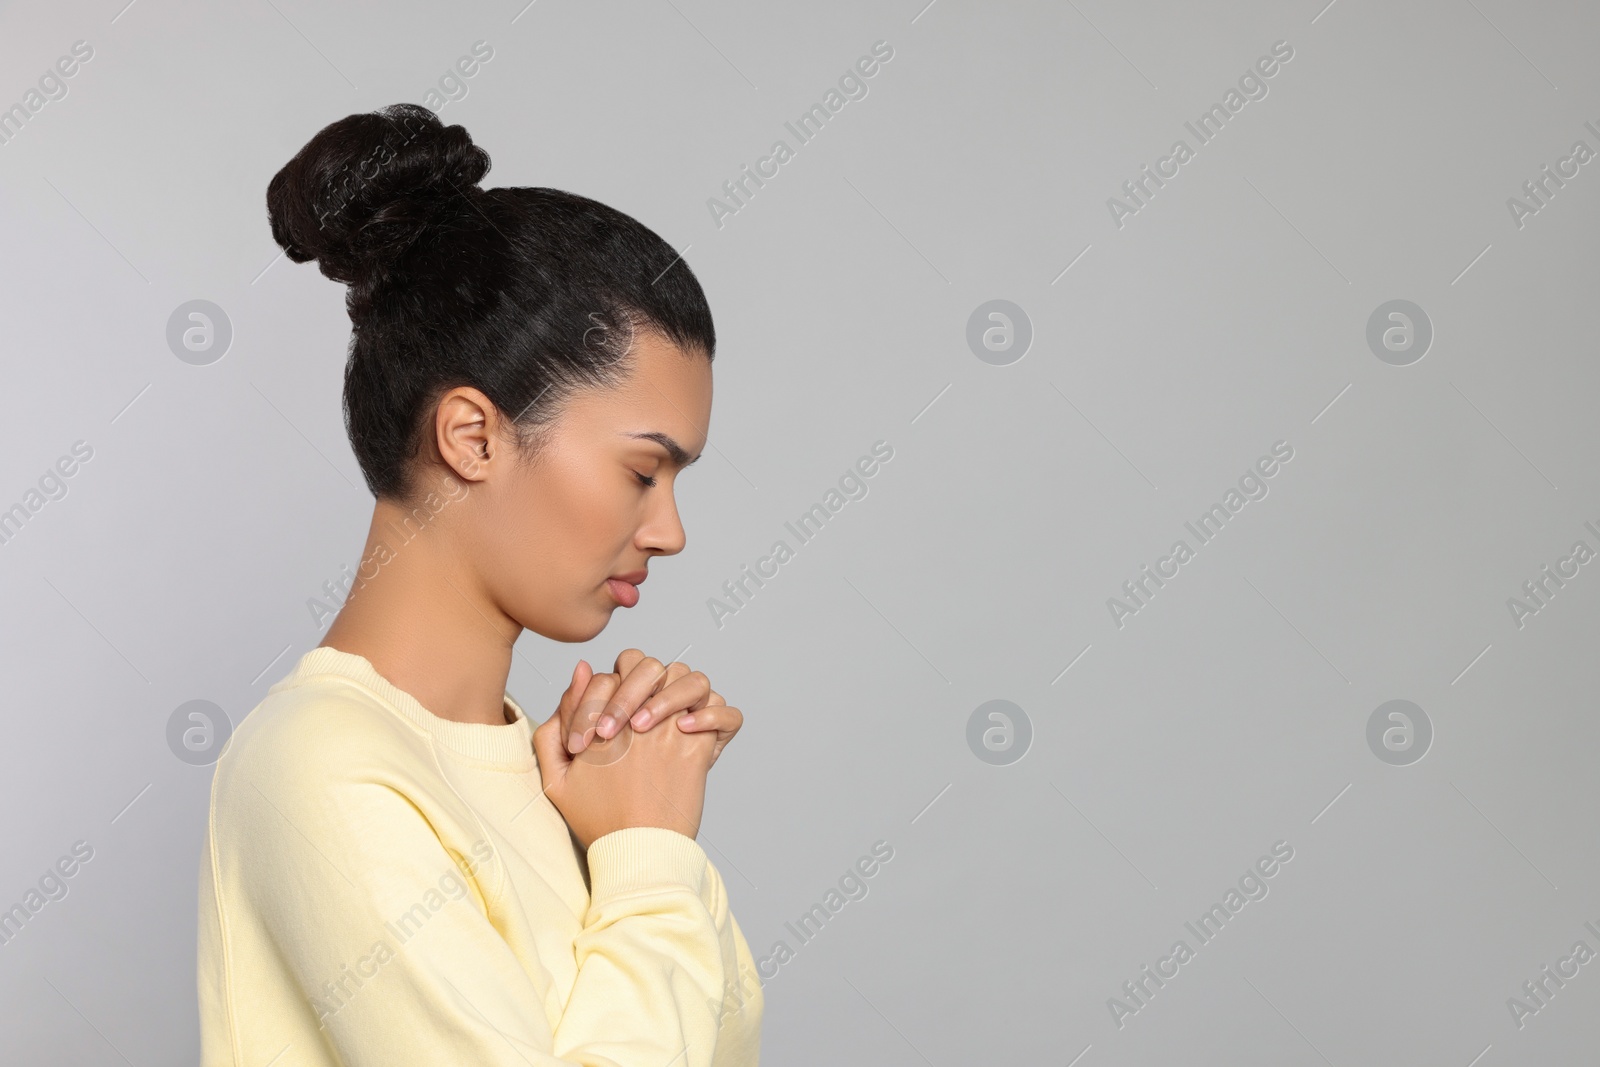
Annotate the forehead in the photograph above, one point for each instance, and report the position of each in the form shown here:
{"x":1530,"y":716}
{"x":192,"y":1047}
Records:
{"x":666,"y":390}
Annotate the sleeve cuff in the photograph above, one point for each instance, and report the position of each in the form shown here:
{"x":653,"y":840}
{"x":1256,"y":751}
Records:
{"x":644,"y":857}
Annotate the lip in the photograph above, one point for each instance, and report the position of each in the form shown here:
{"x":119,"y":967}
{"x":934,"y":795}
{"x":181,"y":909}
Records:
{"x":624,"y":593}
{"x":633,"y":577}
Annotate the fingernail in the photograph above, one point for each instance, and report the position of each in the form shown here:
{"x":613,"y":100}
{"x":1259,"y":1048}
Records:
{"x":605,"y":724}
{"x":642,"y":719}
{"x":574,"y":741}
{"x":686,"y":721}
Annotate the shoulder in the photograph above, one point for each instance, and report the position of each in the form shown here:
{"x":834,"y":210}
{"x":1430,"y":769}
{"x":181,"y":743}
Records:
{"x":303,"y":744}
{"x":326,"y":796}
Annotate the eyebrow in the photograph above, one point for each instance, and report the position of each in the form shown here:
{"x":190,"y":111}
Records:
{"x":679,"y":454}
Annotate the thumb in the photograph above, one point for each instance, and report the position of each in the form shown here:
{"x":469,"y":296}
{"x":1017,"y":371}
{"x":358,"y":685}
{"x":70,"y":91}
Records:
{"x":550,"y":751}
{"x":568,"y":705}
{"x":580,"y":679}
{"x":549,"y":746}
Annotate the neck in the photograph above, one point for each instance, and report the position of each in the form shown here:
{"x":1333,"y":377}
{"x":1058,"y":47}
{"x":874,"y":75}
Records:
{"x":420,"y":616}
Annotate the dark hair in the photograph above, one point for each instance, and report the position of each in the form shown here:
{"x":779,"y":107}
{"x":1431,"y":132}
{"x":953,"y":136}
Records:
{"x":528,"y":294}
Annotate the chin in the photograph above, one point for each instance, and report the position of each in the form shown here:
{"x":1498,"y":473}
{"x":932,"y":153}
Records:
{"x":596,"y":630}
{"x":573,"y":628}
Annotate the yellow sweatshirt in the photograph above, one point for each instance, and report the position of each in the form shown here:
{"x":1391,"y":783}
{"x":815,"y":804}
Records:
{"x":382,"y":887}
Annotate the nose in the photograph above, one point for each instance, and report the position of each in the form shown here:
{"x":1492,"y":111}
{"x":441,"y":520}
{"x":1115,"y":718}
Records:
{"x":662,"y":531}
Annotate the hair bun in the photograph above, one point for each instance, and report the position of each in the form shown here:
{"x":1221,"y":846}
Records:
{"x":361,"y":191}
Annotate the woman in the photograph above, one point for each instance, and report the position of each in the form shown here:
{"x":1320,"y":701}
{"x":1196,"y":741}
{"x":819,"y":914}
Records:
{"x":400,"y":868}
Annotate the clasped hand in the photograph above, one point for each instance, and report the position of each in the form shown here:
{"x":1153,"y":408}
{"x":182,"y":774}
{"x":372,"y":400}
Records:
{"x":603,"y":765}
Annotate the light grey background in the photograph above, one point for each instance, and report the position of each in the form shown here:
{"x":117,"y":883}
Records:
{"x":1166,"y":755}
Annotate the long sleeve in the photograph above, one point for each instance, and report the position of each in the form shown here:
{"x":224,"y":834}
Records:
{"x":387,"y":935}
{"x":378,"y":927}
{"x":658,"y":943}
{"x":381,"y":886}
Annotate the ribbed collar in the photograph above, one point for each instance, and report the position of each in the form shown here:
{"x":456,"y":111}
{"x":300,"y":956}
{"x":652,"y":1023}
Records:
{"x":510,"y":745}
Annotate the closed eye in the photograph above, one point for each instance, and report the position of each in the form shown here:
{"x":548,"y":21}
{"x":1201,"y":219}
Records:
{"x":647,"y":480}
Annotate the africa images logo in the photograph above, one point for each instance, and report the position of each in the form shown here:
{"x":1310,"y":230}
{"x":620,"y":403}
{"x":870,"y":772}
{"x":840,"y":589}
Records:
{"x":1252,"y":85}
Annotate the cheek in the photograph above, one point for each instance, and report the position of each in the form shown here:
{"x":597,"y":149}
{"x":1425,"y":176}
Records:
{"x":575,"y":520}
{"x":585,"y":510}
{"x":546,"y":539}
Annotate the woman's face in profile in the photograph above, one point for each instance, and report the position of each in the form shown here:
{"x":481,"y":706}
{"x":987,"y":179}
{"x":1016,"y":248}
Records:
{"x":554,"y":530}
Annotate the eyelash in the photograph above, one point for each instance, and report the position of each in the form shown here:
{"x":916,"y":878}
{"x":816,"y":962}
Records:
{"x":647,"y":482}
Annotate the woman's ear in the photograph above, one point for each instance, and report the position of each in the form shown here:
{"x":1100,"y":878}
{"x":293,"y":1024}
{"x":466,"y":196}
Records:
{"x":463,"y":431}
